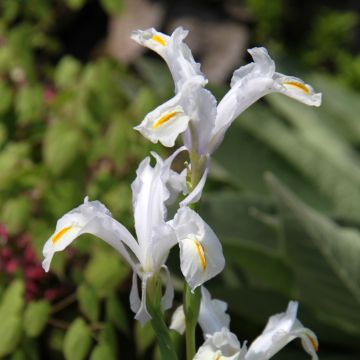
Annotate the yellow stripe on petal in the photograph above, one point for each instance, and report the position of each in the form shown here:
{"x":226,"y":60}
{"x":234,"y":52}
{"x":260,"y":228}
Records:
{"x":313,"y":343}
{"x":59,"y":234}
{"x":201,"y":253}
{"x":298,"y":85}
{"x":159,"y":40}
{"x":164,"y":119}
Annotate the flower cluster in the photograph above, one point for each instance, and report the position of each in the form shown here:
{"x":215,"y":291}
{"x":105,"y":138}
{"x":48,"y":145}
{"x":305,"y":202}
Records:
{"x":194,"y":113}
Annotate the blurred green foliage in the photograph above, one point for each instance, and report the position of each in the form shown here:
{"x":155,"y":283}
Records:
{"x":286,"y":177}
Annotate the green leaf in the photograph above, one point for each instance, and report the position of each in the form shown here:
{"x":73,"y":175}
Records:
{"x":30,"y":104}
{"x":14,"y":162}
{"x":6,"y":97}
{"x":325,"y":260}
{"x":340,"y":183}
{"x":10,"y":333}
{"x":77,"y":340}
{"x":88,"y":301}
{"x":68,"y":69}
{"x":15,"y":214}
{"x":12,"y":301}
{"x":116,"y":314}
{"x":106,"y":271}
{"x":114,"y":7}
{"x":35,"y":317}
{"x":109,"y":337}
{"x":62,"y":145}
{"x":101,"y":352}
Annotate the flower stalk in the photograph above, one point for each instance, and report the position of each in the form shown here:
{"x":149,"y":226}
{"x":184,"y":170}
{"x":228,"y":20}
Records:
{"x":154,"y":296}
{"x":191,"y":310}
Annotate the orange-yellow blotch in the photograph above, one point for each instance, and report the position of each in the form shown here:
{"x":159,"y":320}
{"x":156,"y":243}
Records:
{"x":201,"y":252}
{"x":159,"y":40}
{"x":313,"y":343}
{"x":298,"y":85}
{"x":59,"y":234}
{"x":164,"y":119}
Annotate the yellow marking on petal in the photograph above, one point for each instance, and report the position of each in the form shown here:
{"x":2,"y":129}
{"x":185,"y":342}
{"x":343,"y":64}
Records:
{"x":59,"y":234}
{"x":298,"y":85}
{"x":313,"y":343}
{"x":164,"y":119}
{"x":218,"y":357}
{"x":159,"y":40}
{"x":201,"y":252}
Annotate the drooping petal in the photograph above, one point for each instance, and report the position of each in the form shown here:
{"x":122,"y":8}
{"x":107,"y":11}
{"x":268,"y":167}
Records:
{"x":173,"y":50}
{"x":135,"y":301}
{"x":296,"y":89}
{"x":279,"y":331}
{"x":201,"y":253}
{"x":212,"y":315}
{"x":222,"y":345}
{"x":165,"y":123}
{"x":94,"y":218}
{"x":249,"y":84}
{"x":152,"y":39}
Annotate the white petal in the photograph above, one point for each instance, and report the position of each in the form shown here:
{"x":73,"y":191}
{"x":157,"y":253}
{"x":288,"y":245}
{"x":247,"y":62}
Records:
{"x":196,"y":193}
{"x":165,"y":123}
{"x":142,"y":314}
{"x":178,"y":320}
{"x":173,"y":50}
{"x":135,"y":301}
{"x":152,"y":39}
{"x":167,"y":300}
{"x":297,"y":89}
{"x":249,"y":84}
{"x":149,"y":195}
{"x":94,"y":218}
{"x":201,"y":253}
{"x":200,"y":105}
{"x":212,"y":315}
{"x":279,"y":331}
{"x":222,"y":345}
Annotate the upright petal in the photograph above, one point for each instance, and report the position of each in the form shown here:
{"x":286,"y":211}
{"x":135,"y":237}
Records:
{"x":200,"y":105}
{"x":201,"y":253}
{"x":149,"y":196}
{"x":178,"y":320}
{"x":279,"y":331}
{"x":212,"y":315}
{"x":195,"y":195}
{"x":94,"y":218}
{"x":222,"y":345}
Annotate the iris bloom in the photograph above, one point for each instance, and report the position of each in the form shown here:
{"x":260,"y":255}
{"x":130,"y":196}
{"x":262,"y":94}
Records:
{"x":279,"y":331}
{"x":194,"y":110}
{"x":152,"y":189}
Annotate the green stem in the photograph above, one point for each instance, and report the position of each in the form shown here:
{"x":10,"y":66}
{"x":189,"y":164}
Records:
{"x":161,"y":330}
{"x":191,"y":311}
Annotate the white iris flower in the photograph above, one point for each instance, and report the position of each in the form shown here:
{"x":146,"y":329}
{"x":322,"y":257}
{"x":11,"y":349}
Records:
{"x":194,"y":111}
{"x":152,"y":189}
{"x":279,"y":331}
